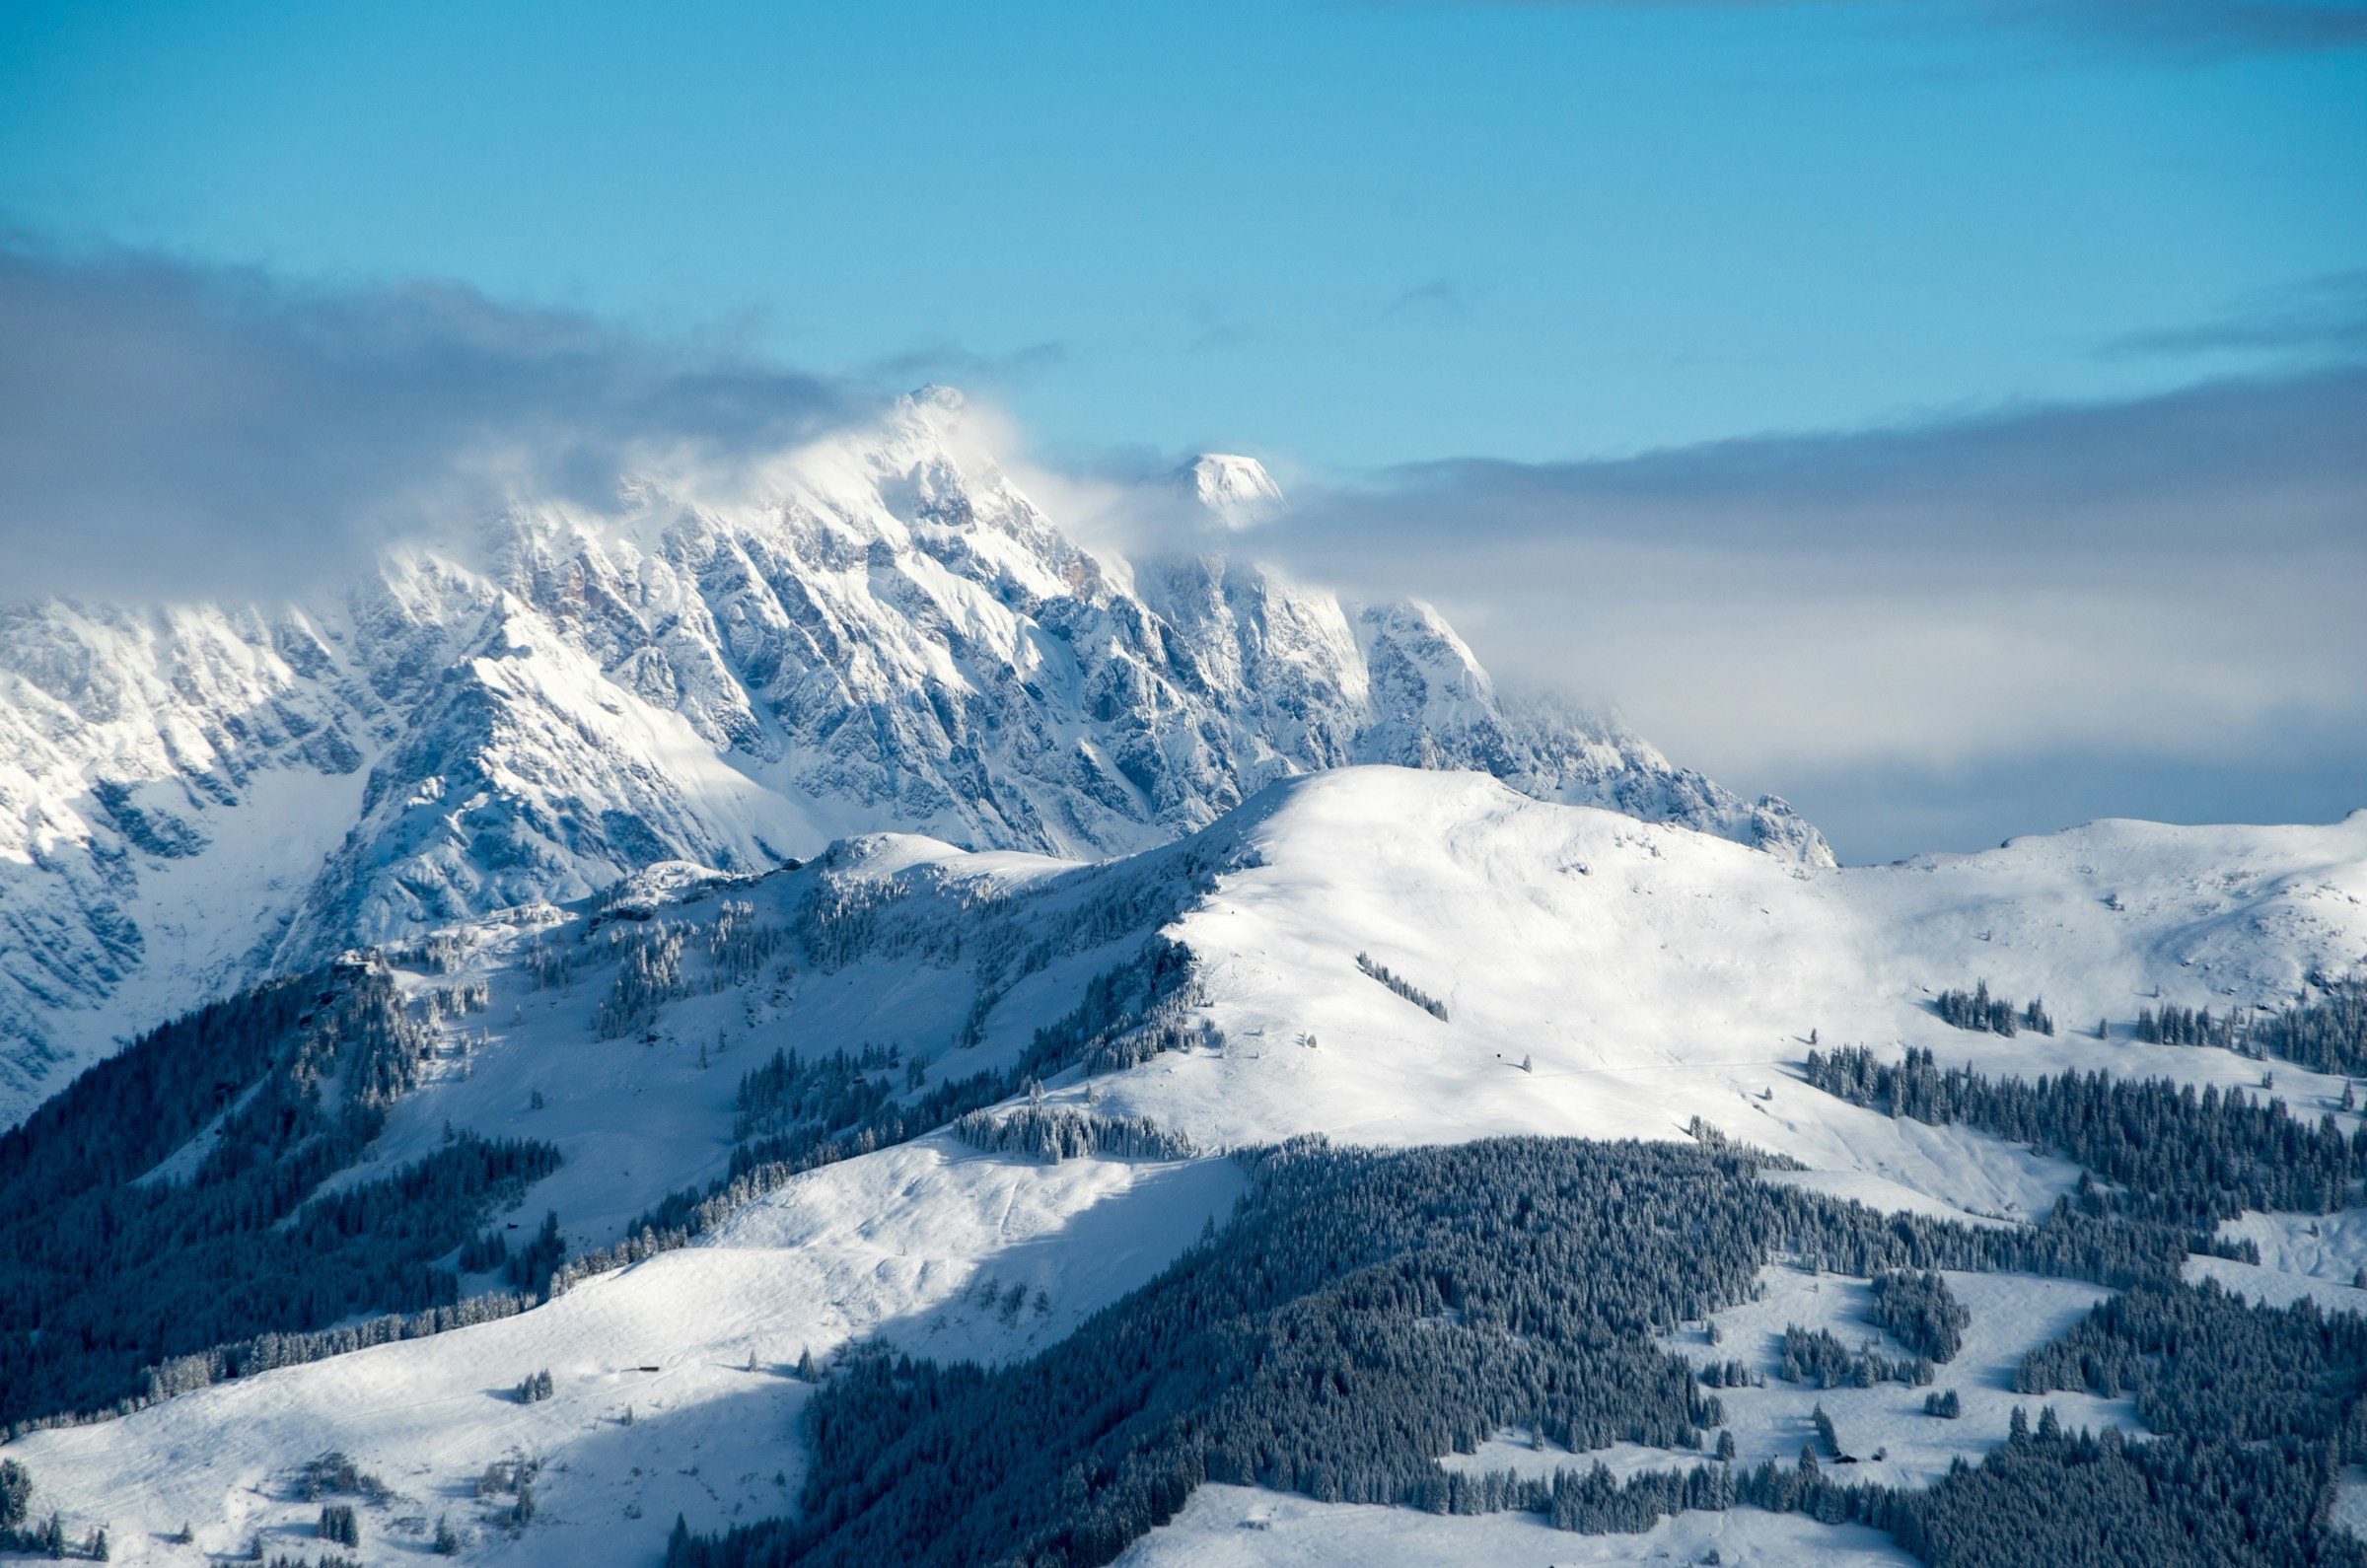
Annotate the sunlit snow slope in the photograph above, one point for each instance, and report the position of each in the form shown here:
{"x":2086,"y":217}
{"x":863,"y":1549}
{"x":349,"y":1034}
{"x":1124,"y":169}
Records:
{"x":1600,"y":976}
{"x":1652,"y":975}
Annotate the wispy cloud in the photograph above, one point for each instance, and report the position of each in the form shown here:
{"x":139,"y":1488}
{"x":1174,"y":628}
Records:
{"x":953,"y":362}
{"x":174,"y":430}
{"x":2012,"y":618}
{"x":2324,"y":315}
{"x":1440,"y":296}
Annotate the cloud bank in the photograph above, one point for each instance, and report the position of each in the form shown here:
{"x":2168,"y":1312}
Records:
{"x":172,"y":431}
{"x":2169,"y":592}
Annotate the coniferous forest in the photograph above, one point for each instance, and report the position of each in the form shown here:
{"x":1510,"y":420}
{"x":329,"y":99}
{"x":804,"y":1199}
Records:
{"x":121,"y":1280}
{"x":2329,"y":1035}
{"x":1368,"y":1312}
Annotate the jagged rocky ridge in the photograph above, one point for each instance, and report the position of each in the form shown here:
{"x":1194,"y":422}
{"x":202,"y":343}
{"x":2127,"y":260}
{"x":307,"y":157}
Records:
{"x":891,"y":635}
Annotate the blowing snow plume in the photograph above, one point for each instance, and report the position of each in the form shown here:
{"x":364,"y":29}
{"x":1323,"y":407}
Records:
{"x":177,"y":431}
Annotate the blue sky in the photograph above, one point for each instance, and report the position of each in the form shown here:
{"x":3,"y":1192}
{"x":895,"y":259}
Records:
{"x":1345,"y":235}
{"x":1788,"y":374}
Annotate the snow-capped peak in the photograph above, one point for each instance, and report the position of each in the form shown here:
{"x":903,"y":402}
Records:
{"x":884,"y":634}
{"x":1236,"y":490}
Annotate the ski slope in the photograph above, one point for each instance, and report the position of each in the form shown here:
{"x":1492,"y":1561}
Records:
{"x":1644,"y":975}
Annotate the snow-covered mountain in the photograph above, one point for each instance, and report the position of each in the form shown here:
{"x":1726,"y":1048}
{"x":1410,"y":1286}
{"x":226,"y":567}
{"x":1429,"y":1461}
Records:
{"x":1235,"y":490}
{"x":1598,"y":976}
{"x":880,"y":632}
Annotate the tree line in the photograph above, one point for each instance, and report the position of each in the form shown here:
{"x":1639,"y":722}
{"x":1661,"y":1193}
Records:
{"x":2329,"y":1035}
{"x":2183,"y":1157}
{"x":1402,"y":986}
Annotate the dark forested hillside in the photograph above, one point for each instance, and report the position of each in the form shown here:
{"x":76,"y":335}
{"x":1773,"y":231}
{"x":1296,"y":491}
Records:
{"x":108,"y":1269}
{"x":2328,"y":1035}
{"x":1367,"y":1313}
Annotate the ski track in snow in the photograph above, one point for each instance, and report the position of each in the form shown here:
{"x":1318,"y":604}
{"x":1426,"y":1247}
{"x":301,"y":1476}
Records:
{"x":1649,"y":974}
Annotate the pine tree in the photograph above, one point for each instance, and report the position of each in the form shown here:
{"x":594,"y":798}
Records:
{"x":16,"y":1493}
{"x":338,"y":1523}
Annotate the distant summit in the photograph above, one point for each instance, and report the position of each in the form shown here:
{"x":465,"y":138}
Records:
{"x":1236,"y":490}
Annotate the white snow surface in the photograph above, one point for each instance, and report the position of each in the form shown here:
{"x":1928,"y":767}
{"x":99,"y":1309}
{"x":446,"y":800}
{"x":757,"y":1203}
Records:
{"x":1649,"y":974}
{"x":1645,"y":973}
{"x":2329,"y":1251}
{"x":1241,"y":1526}
{"x":1236,"y":490}
{"x":881,"y":632}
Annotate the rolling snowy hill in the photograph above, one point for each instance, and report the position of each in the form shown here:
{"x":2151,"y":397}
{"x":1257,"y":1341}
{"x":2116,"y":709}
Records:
{"x":1598,"y":976}
{"x":883,"y":633}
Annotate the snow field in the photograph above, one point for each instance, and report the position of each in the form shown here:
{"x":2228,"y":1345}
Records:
{"x":1650,"y":974}
{"x":2011,"y":1315}
{"x":893,"y":1242}
{"x":1241,"y":1527}
{"x":2329,"y":1247}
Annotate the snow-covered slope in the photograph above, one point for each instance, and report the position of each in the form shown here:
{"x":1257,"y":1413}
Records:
{"x":1600,"y":976}
{"x":674,"y":1385}
{"x":1654,"y":973}
{"x":880,"y":631}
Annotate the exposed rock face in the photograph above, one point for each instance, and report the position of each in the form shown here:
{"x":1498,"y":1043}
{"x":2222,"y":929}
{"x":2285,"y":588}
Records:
{"x":892,"y":637}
